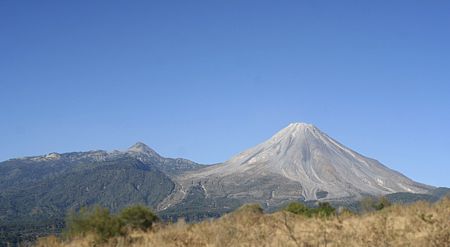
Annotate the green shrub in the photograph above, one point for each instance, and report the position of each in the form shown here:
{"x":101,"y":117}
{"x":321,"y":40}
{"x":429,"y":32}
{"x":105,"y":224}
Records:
{"x":99,"y":222}
{"x":323,"y":210}
{"x":137,"y":217}
{"x":298,"y":208}
{"x":96,"y":220}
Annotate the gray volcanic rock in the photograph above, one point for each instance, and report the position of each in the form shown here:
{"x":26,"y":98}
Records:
{"x":298,"y":163}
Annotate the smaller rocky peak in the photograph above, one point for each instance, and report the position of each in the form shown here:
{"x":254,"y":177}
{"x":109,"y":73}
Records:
{"x":141,"y":148}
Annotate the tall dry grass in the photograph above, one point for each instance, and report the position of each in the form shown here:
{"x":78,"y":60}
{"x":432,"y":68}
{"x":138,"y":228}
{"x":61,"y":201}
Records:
{"x":419,"y":224}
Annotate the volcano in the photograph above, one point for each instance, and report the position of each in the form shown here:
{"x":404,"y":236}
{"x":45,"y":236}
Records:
{"x":300,"y":162}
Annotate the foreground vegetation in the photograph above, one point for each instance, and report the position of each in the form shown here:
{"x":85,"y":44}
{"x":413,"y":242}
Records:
{"x":419,"y":224}
{"x":102,"y":225}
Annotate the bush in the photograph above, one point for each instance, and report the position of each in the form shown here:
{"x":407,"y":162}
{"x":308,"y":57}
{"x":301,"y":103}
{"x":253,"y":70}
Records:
{"x":324,"y":210}
{"x":99,"y":222}
{"x":137,"y":217}
{"x":95,"y":220}
{"x":298,"y":208}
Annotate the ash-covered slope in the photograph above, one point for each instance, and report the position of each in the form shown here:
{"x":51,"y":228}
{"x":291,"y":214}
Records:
{"x":299,"y":162}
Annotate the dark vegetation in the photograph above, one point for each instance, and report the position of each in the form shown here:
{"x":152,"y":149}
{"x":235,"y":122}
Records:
{"x":103,"y":225}
{"x":324,"y":209}
{"x":38,"y":206}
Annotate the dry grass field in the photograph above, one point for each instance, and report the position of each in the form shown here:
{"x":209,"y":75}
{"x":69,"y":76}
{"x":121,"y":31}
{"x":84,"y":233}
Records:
{"x":419,"y":224}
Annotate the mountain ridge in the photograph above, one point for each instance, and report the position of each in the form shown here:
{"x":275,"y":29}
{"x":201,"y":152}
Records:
{"x":298,"y":163}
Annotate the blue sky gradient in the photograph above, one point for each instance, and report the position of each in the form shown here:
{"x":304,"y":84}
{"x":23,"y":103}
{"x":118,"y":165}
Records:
{"x":205,"y":80}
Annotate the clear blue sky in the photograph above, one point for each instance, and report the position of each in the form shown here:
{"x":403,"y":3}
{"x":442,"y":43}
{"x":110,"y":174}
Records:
{"x":205,"y":80}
